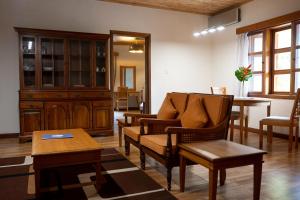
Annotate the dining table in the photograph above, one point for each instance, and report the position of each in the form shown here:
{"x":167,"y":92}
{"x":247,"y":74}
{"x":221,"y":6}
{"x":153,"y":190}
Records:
{"x":245,"y":102}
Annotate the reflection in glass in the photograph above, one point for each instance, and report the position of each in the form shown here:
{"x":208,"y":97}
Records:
{"x":282,"y":61}
{"x":283,"y":39}
{"x":28,"y":47}
{"x":100,"y":63}
{"x":282,"y":82}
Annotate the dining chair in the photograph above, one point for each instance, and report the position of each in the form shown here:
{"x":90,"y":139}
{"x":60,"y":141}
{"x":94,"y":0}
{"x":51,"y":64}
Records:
{"x":235,"y":115}
{"x":291,"y":121}
{"x":122,"y":98}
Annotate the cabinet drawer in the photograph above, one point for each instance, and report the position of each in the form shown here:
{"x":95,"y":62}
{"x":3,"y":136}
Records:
{"x":25,"y":105}
{"x":89,"y":94}
{"x":102,"y":103}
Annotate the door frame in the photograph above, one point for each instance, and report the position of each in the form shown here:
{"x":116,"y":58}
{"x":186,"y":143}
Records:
{"x":147,"y":37}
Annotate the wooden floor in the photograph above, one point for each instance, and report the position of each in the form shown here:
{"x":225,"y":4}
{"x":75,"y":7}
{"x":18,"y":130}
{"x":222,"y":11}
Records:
{"x":281,"y":171}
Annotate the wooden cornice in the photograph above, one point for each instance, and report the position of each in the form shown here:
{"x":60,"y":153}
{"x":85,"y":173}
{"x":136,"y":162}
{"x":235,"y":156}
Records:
{"x":270,"y":23}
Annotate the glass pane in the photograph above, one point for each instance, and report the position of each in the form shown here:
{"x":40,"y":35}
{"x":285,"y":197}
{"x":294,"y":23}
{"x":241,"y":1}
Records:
{"x":256,"y":62}
{"x":282,"y":61}
{"x":85,"y":64}
{"x":58,"y":59}
{"x":28,"y":47}
{"x":52,"y":62}
{"x":74,"y":63}
{"x":282,"y":82}
{"x":80,"y":63}
{"x":100,"y":63}
{"x":297,"y":61}
{"x":283,"y":39}
{"x":256,"y":43}
{"x":129,"y":78}
{"x":298,"y":34}
{"x":297,"y":81}
{"x":256,"y":83}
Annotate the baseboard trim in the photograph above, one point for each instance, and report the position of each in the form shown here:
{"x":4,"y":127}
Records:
{"x":9,"y":135}
{"x":256,"y":130}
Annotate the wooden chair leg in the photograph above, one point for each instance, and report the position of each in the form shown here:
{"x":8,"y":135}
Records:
{"x":246,"y":126}
{"x":269,"y":134}
{"x":182,"y":173}
{"x":297,"y":137}
{"x":231,"y":129}
{"x":290,"y":138}
{"x":261,"y":137}
{"x":120,"y":134}
{"x":127,"y":146}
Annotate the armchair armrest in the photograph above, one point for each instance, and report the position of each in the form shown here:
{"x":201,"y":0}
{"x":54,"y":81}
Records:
{"x":135,"y":117}
{"x":189,"y":135}
{"x":157,"y":126}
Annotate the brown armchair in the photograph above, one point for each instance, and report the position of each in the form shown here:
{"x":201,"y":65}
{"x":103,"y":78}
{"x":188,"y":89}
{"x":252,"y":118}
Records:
{"x":145,"y":123}
{"x":162,"y":145}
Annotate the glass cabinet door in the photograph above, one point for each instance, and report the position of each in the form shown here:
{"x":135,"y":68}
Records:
{"x":80,"y":63}
{"x":29,"y":65}
{"x":52,"y":59}
{"x":101,"y":63}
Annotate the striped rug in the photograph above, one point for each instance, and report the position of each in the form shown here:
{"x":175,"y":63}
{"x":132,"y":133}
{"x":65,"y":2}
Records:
{"x":122,"y":181}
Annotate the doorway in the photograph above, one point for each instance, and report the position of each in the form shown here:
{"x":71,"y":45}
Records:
{"x":130,"y":71}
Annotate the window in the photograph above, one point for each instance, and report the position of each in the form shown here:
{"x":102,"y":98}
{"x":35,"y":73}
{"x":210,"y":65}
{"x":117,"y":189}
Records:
{"x":274,"y":54}
{"x":256,"y":60}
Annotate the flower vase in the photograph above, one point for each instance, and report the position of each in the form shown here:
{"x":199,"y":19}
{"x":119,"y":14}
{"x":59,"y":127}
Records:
{"x":242,"y":89}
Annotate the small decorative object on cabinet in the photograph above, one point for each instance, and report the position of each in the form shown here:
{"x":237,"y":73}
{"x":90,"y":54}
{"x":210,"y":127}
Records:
{"x":64,"y":82}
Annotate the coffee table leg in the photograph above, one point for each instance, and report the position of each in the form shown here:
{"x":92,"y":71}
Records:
{"x":241,"y":124}
{"x":222,"y":176}
{"x":37,"y":182}
{"x":99,"y":176}
{"x":182,"y":173}
{"x":257,"y":179}
{"x":213,"y":181}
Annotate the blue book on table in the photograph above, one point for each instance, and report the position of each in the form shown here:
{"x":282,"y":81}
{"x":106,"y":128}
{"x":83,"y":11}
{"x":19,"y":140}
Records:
{"x":56,"y":136}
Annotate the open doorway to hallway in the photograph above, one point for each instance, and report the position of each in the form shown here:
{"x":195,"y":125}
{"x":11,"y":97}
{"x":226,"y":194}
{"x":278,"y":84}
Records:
{"x":130,"y":72}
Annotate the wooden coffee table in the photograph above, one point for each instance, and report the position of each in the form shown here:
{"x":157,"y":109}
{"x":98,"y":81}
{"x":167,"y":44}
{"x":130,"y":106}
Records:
{"x":81,"y":149}
{"x":218,"y":155}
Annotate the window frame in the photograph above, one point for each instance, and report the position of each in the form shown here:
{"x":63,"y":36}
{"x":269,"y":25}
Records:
{"x":268,"y":68}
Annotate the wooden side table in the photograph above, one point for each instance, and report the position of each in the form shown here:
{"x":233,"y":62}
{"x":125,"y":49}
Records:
{"x":218,"y":155}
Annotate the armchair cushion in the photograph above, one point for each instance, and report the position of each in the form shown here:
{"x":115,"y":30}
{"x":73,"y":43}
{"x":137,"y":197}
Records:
{"x":133,"y":132}
{"x":179,"y":101}
{"x":167,"y":110}
{"x":158,"y":143}
{"x":195,"y":115}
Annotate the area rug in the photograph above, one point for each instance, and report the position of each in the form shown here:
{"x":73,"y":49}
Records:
{"x":122,"y":180}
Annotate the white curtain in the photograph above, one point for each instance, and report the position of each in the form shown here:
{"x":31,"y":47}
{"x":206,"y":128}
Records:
{"x":242,"y":56}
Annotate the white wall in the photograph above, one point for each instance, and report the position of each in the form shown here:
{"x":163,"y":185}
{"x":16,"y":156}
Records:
{"x":224,"y":52}
{"x":179,"y":62}
{"x":126,"y":58}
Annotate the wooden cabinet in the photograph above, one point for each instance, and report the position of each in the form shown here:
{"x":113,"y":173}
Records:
{"x":64,"y":82}
{"x":81,"y":115}
{"x":56,"y":116}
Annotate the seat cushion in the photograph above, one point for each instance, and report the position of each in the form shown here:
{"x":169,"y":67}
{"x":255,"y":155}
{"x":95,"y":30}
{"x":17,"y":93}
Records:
{"x":158,"y":143}
{"x":276,"y":120}
{"x":133,"y":132}
{"x":167,"y":110}
{"x":195,"y":115}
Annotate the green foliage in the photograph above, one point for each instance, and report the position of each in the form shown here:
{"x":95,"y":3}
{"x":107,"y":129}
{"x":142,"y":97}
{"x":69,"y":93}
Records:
{"x":243,"y":73}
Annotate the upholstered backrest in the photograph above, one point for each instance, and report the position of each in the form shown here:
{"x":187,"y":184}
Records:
{"x":216,"y":107}
{"x":179,"y":101}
